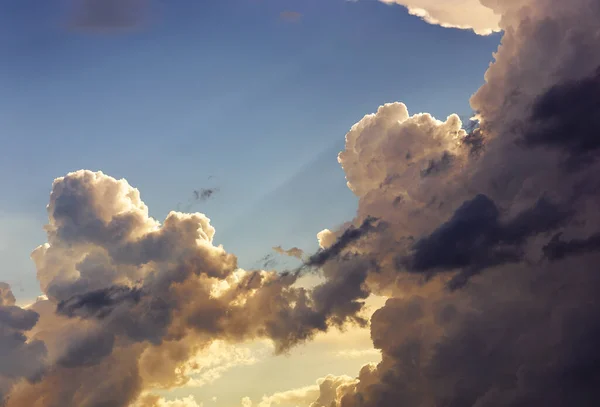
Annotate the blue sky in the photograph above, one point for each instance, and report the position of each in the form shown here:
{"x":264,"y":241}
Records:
{"x":213,"y":88}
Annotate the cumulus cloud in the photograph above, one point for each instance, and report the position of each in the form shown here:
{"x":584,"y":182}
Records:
{"x":322,"y":394}
{"x":21,"y":358}
{"x":464,"y":14}
{"x":130,"y":296}
{"x":6,"y":296}
{"x":515,"y":234}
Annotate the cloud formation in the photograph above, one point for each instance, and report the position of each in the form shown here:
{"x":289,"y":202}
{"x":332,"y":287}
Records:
{"x":130,"y":297}
{"x":323,"y":394}
{"x":464,"y":14}
{"x":21,"y":359}
{"x":293,"y":252}
{"x":515,"y":234}
{"x":489,"y":260}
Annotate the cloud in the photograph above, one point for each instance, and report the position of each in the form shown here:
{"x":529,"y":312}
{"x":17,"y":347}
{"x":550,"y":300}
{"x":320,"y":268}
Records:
{"x":557,"y":248}
{"x":21,"y":358}
{"x":348,"y":236}
{"x":204,"y":193}
{"x":210,"y":364}
{"x":130,"y":297}
{"x":464,"y":14}
{"x":475,"y":238}
{"x":324,"y":391}
{"x":293,"y":252}
{"x":388,"y":161}
{"x":6,"y":296}
{"x":515,"y":234}
{"x":570,"y":108}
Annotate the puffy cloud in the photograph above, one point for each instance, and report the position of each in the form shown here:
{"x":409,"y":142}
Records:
{"x":465,"y":14}
{"x":548,"y":49}
{"x":210,"y":364}
{"x":331,"y":388}
{"x":403,"y":168}
{"x":21,"y":358}
{"x":6,"y":296}
{"x":130,"y":297}
{"x":517,"y":231}
{"x":323,"y":394}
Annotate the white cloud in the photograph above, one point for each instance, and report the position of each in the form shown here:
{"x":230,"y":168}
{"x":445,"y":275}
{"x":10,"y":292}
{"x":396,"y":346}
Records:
{"x":464,"y":14}
{"x":302,"y":397}
{"x":210,"y":364}
{"x":322,"y":394}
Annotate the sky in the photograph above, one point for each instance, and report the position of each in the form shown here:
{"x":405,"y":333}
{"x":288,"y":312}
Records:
{"x":283,"y":203}
{"x":224,"y":89}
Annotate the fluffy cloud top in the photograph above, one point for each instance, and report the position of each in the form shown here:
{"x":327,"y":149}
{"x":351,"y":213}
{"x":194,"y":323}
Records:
{"x":465,"y":14}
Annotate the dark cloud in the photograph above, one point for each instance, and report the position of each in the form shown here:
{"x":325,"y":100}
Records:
{"x":349,"y":236}
{"x":567,"y":116}
{"x":476,"y":238}
{"x":21,"y":358}
{"x":18,"y":318}
{"x":99,"y":303}
{"x":440,"y":165}
{"x":343,"y":293}
{"x":88,"y":350}
{"x":558,"y":248}
{"x":508,"y":341}
{"x":204,"y":193}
